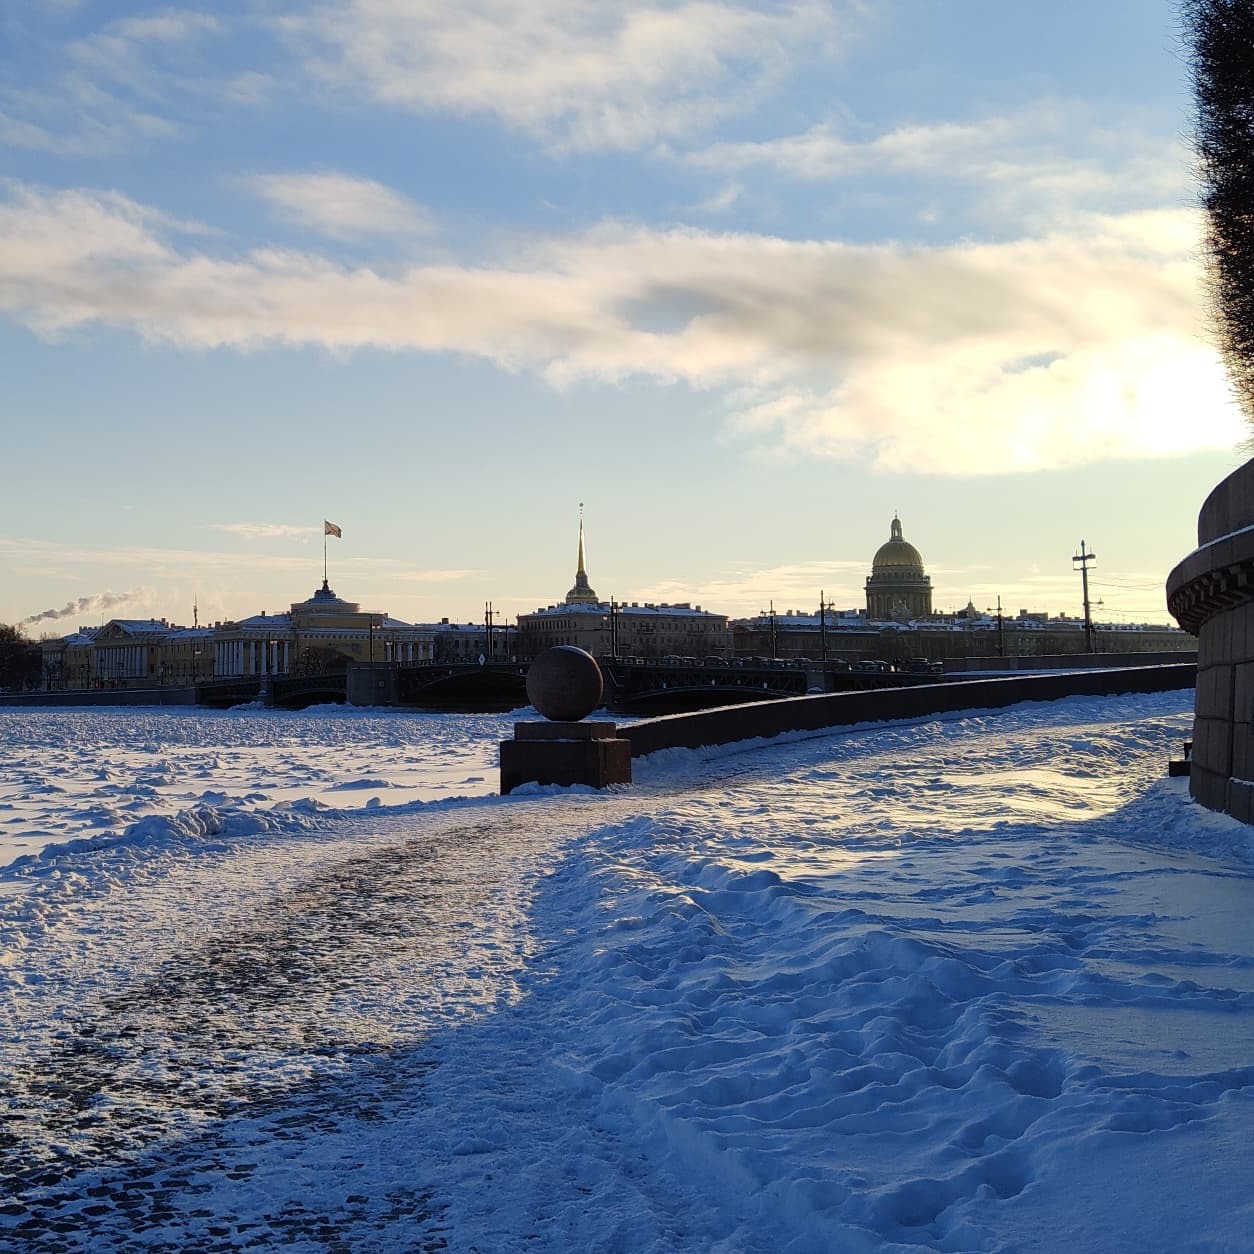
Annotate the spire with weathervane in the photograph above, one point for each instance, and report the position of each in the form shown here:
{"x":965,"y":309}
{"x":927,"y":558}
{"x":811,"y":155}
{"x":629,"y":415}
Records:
{"x":581,"y":593}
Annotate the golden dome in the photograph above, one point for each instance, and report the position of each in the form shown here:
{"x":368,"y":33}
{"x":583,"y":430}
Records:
{"x":898,"y":556}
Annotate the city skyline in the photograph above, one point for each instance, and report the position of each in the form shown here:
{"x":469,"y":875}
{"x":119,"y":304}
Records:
{"x":746,"y":279}
{"x":45,"y":623}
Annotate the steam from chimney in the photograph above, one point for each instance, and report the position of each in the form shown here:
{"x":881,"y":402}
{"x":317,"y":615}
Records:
{"x":84,"y":605}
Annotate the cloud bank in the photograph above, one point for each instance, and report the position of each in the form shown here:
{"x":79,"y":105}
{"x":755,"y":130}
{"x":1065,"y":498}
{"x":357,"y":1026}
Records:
{"x":968,"y":357}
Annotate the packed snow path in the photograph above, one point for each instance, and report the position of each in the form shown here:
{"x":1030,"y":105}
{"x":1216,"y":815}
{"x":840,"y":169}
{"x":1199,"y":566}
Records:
{"x":978,"y":984}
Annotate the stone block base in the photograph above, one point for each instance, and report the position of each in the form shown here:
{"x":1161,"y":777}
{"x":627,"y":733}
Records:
{"x":564,"y":753}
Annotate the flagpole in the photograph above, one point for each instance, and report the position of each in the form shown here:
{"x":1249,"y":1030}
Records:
{"x":324,"y":554}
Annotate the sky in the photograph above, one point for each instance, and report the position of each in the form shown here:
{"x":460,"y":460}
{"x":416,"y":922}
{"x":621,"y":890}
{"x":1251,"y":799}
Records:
{"x":744,"y":280}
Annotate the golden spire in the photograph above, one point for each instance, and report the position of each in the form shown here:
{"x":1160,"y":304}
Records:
{"x":581,"y":593}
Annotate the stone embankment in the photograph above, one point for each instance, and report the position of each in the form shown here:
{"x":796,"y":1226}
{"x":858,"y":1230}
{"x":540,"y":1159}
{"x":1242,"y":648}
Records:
{"x":842,"y":709}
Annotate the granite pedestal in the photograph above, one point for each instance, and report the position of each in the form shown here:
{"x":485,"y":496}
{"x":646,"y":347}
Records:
{"x":565,"y":753}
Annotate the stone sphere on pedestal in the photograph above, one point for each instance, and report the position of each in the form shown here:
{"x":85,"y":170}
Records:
{"x":564,"y":683}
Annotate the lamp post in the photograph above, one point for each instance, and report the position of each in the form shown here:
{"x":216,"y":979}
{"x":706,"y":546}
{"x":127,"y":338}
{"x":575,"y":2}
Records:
{"x":371,"y":624}
{"x":1001,"y":631}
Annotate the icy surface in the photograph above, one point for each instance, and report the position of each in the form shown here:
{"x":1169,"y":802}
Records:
{"x":66,"y":773}
{"x":984,"y":983}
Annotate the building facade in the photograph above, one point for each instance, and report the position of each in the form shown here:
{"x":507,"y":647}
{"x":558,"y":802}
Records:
{"x":622,"y":629}
{"x":321,"y":634}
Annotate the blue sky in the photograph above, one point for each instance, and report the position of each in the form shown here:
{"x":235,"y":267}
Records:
{"x":744,"y":279}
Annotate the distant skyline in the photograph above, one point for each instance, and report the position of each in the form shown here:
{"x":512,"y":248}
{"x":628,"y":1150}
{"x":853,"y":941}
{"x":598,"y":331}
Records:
{"x":745,"y":279}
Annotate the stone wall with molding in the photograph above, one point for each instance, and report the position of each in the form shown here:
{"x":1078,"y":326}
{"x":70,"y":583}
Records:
{"x":1211,"y":594}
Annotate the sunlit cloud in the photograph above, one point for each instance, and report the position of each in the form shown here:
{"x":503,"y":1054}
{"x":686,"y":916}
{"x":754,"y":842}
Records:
{"x":341,"y":206}
{"x":574,"y":74}
{"x":1044,"y":351}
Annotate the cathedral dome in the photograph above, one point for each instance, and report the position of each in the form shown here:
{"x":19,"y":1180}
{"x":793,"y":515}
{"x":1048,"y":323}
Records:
{"x":897,"y":556}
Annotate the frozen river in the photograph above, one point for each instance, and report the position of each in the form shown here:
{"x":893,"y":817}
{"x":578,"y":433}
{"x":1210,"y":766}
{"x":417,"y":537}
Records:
{"x":302,"y":981}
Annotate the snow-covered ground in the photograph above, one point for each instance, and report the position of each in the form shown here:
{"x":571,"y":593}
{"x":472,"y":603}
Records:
{"x":304,"y":982}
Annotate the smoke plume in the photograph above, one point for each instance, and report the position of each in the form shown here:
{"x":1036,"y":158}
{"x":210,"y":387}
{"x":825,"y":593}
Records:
{"x":84,"y":605}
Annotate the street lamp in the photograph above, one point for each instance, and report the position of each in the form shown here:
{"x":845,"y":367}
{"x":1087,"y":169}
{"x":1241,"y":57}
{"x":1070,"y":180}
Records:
{"x":372,"y":625}
{"x":1001,"y":632}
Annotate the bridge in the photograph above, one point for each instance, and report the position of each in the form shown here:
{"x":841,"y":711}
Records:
{"x":465,"y":686}
{"x":287,"y":692}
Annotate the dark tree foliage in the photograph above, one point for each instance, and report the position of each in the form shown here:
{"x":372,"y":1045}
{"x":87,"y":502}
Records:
{"x":1222,"y":61}
{"x":20,"y":660}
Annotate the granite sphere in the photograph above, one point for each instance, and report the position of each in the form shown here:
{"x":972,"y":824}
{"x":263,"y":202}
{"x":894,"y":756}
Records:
{"x":564,"y":683}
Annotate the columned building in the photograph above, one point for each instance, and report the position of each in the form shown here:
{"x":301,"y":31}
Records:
{"x":324,"y":633}
{"x":898,"y":589}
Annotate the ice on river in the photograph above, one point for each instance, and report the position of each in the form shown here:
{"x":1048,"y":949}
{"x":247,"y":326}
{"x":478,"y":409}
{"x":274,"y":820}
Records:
{"x":980,"y":983}
{"x":94,"y":772}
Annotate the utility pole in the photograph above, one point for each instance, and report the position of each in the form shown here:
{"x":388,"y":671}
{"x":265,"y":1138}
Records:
{"x":1084,"y":559}
{"x":487,"y":629}
{"x":774,"y":639}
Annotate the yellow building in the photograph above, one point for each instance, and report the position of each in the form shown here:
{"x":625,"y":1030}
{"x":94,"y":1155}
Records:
{"x":321,"y":634}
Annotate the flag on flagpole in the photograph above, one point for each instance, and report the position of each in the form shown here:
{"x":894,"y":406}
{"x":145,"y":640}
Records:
{"x":331,"y":529}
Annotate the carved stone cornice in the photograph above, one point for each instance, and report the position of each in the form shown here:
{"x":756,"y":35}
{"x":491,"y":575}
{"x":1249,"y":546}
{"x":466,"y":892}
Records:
{"x":1214,"y":578}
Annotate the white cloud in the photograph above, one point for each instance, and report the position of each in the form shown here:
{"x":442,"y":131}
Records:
{"x":1047,"y":158}
{"x":721,"y":202}
{"x":1048,"y":351}
{"x":114,"y":89}
{"x":166,"y":26}
{"x":77,"y":121}
{"x":574,"y":73}
{"x":341,"y":206}
{"x":264,"y":531}
{"x":119,"y":50}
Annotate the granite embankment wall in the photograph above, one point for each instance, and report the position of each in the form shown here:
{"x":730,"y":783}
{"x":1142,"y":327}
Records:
{"x":771,"y":718}
{"x":100,"y":696}
{"x":1070,"y":661}
{"x":1211,"y":593}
